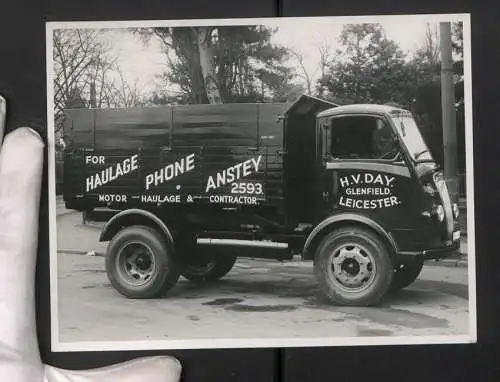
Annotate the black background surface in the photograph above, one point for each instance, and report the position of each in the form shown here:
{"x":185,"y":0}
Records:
{"x":22,"y":81}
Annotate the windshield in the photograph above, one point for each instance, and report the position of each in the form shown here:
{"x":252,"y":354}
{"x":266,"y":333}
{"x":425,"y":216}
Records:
{"x":411,"y":137}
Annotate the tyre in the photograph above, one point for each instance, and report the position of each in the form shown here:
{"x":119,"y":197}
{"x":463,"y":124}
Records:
{"x":206,"y":266}
{"x":406,"y":274}
{"x":139,"y":263}
{"x":353,"y":267}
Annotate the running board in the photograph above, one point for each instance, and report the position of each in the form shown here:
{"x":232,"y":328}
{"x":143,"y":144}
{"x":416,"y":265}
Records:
{"x":242,"y":243}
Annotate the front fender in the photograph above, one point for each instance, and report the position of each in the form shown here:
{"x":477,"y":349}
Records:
{"x":340,"y":220}
{"x":131,"y":217}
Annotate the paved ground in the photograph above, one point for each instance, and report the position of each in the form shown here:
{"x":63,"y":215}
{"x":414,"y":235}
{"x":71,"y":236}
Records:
{"x":257,"y":299}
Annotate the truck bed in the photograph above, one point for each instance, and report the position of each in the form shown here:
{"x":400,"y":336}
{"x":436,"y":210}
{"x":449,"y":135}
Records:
{"x":225,"y":155}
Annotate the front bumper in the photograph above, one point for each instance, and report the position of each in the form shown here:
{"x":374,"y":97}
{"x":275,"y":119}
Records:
{"x":446,"y":250}
{"x":449,"y":250}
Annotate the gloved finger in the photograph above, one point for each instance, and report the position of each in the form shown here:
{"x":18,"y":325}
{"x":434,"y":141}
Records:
{"x":21,"y":159}
{"x":3,"y":111}
{"x":149,"y":369}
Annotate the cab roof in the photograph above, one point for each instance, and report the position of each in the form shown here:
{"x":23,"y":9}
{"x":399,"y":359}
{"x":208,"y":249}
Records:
{"x":306,"y":104}
{"x":360,"y":109}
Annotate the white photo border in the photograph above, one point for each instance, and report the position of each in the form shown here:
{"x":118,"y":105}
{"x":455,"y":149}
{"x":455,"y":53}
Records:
{"x":214,"y":343}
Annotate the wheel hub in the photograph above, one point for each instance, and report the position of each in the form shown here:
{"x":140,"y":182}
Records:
{"x":142,"y":262}
{"x":136,"y":263}
{"x":352,"y":266}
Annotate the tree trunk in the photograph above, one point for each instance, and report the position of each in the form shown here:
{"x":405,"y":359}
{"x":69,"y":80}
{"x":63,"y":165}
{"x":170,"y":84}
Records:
{"x":184,"y":41}
{"x":198,"y":90}
{"x":207,"y":64}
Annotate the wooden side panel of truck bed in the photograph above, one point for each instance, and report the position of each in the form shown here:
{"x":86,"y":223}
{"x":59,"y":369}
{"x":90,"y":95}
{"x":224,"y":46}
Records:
{"x":185,"y":175}
{"x":173,"y":126}
{"x":225,"y":155}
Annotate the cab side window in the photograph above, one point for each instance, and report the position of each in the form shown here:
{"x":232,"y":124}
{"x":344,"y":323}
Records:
{"x":360,"y":137}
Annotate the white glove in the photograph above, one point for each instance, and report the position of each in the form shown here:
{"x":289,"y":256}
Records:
{"x":21,"y":160}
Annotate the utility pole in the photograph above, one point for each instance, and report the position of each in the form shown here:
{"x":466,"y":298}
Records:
{"x":448,"y":110}
{"x":93,"y":96}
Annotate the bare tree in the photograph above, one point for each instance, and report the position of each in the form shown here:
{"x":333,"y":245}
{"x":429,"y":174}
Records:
{"x":324,"y":58}
{"x":313,"y":76}
{"x":87,"y":74}
{"x":81,"y":62}
{"x":124,"y":94}
{"x":304,"y":73}
{"x":429,"y":49}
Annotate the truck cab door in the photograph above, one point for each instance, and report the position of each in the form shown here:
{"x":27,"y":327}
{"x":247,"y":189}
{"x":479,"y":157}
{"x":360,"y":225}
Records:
{"x":364,"y":170}
{"x":326,"y":179}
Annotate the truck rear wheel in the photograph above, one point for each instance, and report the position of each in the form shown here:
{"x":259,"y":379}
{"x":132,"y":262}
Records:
{"x":207,"y":266}
{"x":353,"y":267}
{"x":406,"y":274}
{"x":139,"y":263}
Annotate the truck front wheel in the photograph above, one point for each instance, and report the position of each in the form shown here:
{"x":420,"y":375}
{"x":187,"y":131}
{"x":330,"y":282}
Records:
{"x":353,"y":267}
{"x":206,"y":266}
{"x":139,"y":263}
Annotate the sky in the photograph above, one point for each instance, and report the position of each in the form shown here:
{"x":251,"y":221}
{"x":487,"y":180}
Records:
{"x":140,"y":63}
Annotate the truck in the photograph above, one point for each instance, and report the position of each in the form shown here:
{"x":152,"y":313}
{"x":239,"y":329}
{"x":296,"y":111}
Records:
{"x":189,"y":189}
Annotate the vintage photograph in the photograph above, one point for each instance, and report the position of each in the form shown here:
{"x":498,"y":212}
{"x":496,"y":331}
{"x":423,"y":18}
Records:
{"x":261,"y":182}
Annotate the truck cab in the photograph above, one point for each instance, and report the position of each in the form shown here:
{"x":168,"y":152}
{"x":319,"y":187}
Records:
{"x":379,"y":191}
{"x":374,"y":162}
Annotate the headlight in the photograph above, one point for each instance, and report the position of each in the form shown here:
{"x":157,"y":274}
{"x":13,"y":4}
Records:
{"x":439,"y":213}
{"x":456,"y":211}
{"x":428,"y":189}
